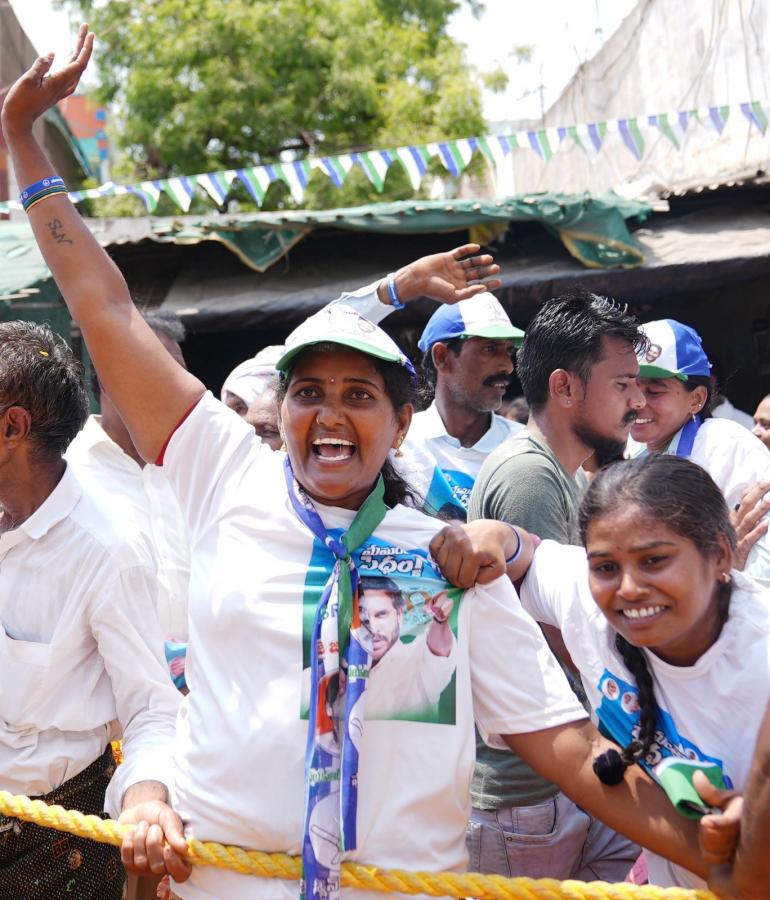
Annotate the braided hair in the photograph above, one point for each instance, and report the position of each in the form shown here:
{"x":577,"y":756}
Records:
{"x":693,"y":507}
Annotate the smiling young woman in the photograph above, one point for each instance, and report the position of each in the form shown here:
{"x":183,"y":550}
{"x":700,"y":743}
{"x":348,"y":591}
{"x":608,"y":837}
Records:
{"x":670,"y":644}
{"x":676,"y":418}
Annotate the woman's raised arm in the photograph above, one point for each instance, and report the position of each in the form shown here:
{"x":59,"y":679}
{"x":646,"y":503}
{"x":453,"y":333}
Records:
{"x":150,"y":390}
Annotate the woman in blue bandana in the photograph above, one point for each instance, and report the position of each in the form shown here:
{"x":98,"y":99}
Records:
{"x":279,"y":543}
{"x":675,"y":380}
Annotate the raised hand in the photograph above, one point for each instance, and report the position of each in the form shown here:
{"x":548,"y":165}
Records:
{"x":447,"y":277}
{"x":39,"y":89}
{"x":750,"y":522}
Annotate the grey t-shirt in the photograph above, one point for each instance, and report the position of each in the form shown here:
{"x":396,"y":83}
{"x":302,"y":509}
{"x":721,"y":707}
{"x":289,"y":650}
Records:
{"x":523,"y":483}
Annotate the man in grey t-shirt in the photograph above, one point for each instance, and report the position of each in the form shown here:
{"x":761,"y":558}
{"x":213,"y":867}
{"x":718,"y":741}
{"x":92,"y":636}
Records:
{"x":578,"y":368}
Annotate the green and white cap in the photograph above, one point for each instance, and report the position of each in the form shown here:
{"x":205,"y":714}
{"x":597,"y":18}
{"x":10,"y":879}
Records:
{"x":341,"y":324}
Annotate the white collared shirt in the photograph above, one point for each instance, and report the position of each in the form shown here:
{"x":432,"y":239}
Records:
{"x":437,"y":465}
{"x":81,"y":654}
{"x":102,"y":466}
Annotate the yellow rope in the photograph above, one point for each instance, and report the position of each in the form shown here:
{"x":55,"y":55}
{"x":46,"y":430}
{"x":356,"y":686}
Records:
{"x":279,"y":865}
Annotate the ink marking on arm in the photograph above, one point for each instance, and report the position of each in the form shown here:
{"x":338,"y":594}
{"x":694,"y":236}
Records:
{"x":57,"y":233}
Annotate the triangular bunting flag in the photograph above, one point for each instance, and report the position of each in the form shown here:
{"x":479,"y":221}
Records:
{"x":256,"y":181}
{"x":336,"y":167}
{"x":716,"y":117}
{"x":755,"y":114}
{"x":294,"y":175}
{"x":181,"y":190}
{"x":538,"y":141}
{"x":508,"y":142}
{"x":455,"y":155}
{"x":217,"y":185}
{"x":148,"y":193}
{"x":415,"y":161}
{"x":672,"y":127}
{"x":632,"y":136}
{"x":492,"y":149}
{"x":375,"y":164}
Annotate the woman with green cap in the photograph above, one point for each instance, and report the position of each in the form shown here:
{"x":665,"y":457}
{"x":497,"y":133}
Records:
{"x":279,"y":542}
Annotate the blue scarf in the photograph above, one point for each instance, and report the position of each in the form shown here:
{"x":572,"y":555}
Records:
{"x":341,"y":656}
{"x":682,"y":442}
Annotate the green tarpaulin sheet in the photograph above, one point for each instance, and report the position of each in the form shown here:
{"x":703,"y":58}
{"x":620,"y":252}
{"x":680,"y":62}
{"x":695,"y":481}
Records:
{"x":593,"y":229}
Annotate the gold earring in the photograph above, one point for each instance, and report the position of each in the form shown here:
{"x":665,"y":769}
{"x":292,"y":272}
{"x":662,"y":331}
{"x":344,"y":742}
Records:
{"x":399,"y":453}
{"x":724,"y":577}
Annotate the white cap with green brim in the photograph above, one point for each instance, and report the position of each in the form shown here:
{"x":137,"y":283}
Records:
{"x":674,"y":351}
{"x":341,"y":324}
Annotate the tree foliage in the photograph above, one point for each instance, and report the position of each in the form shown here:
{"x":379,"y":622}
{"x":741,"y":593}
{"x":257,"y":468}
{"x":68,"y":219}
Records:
{"x":217,"y":84}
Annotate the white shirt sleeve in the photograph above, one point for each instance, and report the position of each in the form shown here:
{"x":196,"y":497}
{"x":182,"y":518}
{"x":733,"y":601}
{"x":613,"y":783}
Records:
{"x":210,"y":444}
{"x":550,"y":587}
{"x":736,"y":460}
{"x":365,"y":301}
{"x":127,"y":633}
{"x":517,"y":684}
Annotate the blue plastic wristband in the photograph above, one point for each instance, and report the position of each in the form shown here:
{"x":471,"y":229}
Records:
{"x":517,"y":552}
{"x":395,"y":302}
{"x":43,"y":185}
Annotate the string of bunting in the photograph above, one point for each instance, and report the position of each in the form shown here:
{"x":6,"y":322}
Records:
{"x":636,"y":132}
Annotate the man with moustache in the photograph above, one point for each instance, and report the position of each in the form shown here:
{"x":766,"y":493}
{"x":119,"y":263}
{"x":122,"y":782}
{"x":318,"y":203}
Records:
{"x":578,"y":369}
{"x":467,"y":362}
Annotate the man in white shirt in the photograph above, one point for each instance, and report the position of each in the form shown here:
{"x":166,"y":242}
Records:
{"x":105,"y":459}
{"x":467,"y":361}
{"x":80,"y":650}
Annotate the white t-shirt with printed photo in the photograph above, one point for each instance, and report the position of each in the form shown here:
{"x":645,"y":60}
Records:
{"x":257,"y":572}
{"x":440,"y":469}
{"x":709,"y":711}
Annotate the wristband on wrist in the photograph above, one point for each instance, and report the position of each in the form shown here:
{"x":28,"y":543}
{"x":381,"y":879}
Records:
{"x":395,"y":302}
{"x":519,"y":546}
{"x":41,"y":190}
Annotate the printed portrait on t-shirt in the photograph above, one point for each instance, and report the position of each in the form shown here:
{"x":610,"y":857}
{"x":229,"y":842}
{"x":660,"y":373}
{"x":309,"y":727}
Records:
{"x":448,"y":494}
{"x":408,"y":623}
{"x":619,"y":713}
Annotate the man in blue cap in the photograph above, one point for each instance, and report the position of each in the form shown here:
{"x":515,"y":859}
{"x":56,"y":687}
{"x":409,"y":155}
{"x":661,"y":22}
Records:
{"x":467,"y":348}
{"x":467,"y":362}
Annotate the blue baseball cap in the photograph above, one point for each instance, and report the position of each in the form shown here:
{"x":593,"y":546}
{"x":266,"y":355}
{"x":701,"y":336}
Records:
{"x":480,"y":316}
{"x":675,"y":351}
